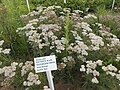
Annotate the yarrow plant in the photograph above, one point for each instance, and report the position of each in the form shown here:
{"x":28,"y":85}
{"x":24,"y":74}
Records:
{"x":46,"y":33}
{"x":81,"y":47}
{"x":3,"y":51}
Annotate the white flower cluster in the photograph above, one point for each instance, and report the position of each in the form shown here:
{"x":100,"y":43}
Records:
{"x":32,"y":79}
{"x":46,"y":88}
{"x":9,"y":71}
{"x":77,"y":11}
{"x":61,"y":66}
{"x":1,"y":42}
{"x":78,"y":46}
{"x":99,"y":25}
{"x":90,"y":16}
{"x":46,"y":31}
{"x":5,"y":51}
{"x":114,"y":41}
{"x":59,"y":44}
{"x":40,"y":8}
{"x":45,"y":27}
{"x":33,"y":13}
{"x":90,"y":68}
{"x":118,"y":58}
{"x":68,"y":58}
{"x":33,"y":36}
{"x":42,"y":18}
{"x":112,"y":70}
{"x":34,"y":21}
{"x":27,"y":27}
{"x":97,"y":41}
{"x":77,"y":37}
{"x":27,"y":67}
{"x":75,"y":17}
{"x":86,"y":28}
{"x":94,"y":80}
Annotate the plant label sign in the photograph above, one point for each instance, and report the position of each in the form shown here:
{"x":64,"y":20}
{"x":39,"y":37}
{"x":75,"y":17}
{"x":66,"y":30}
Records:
{"x":47,"y":63}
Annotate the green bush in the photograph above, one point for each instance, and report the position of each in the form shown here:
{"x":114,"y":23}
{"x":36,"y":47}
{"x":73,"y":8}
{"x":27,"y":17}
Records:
{"x":80,"y":44}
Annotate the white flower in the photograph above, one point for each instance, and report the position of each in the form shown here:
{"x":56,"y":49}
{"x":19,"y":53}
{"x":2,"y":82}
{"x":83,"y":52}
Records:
{"x":20,"y":65}
{"x":91,"y":65}
{"x":119,"y":71}
{"x":32,"y":79}
{"x":14,"y":64}
{"x":118,"y":58}
{"x":25,"y":83}
{"x":96,"y":73}
{"x":94,"y":80}
{"x":118,"y":76}
{"x":62,"y":65}
{"x":78,"y":11}
{"x":96,"y":48}
{"x":104,"y":68}
{"x":99,"y":62}
{"x":34,"y":21}
{"x":58,"y":7}
{"x":46,"y":88}
{"x":1,"y":42}
{"x":90,"y":16}
{"x":27,"y":88}
{"x":82,"y":68}
{"x":33,"y":13}
{"x":6,"y":51}
{"x":38,"y":82}
{"x":23,"y":72}
{"x":27,"y":67}
{"x":115,"y":42}
{"x":9,"y":71}
{"x":112,"y":68}
{"x":84,"y":53}
{"x":29,"y":83}
{"x":12,"y":74}
{"x":112,"y":73}
{"x":88,"y":71}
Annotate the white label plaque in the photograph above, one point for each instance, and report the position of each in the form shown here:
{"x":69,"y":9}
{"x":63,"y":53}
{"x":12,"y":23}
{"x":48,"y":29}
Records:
{"x":43,"y":64}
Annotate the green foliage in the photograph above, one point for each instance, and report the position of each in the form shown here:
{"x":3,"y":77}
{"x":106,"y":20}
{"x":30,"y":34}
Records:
{"x":77,"y":4}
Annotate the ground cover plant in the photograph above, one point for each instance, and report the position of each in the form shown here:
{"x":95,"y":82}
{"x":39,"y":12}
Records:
{"x":86,"y":49}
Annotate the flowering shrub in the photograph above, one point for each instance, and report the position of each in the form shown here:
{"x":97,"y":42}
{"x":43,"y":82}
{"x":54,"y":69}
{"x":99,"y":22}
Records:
{"x":80,"y":43}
